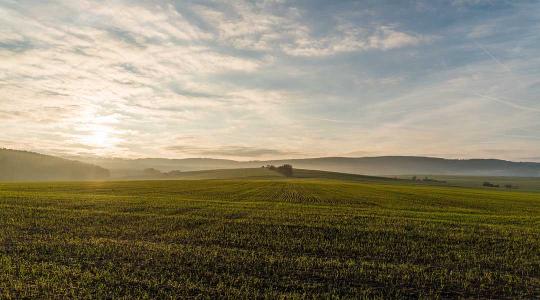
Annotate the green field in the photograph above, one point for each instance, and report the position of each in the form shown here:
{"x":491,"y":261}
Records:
{"x":252,"y":173}
{"x":272,"y":237}
{"x":525,"y":184}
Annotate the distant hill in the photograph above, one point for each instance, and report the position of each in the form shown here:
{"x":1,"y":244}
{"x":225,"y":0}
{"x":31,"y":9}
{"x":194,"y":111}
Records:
{"x":382,"y":165}
{"x":398,"y":165}
{"x":122,"y":168}
{"x":260,"y":173}
{"x":163,"y":164}
{"x":24,"y":166}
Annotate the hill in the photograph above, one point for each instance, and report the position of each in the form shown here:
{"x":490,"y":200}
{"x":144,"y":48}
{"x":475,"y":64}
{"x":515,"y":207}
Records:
{"x":122,"y":168}
{"x":318,"y":174}
{"x":25,"y":166}
{"x":382,"y":165}
{"x":528,"y":184}
{"x":244,"y":173}
{"x":261,"y":173}
{"x":396,"y":165}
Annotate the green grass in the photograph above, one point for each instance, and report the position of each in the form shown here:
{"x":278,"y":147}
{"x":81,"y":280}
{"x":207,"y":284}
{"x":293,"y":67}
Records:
{"x":264,"y":173}
{"x":527,"y":184}
{"x":295,"y":238}
{"x":316,"y":174}
{"x":251,"y":173}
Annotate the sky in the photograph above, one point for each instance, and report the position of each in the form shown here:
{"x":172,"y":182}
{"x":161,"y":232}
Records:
{"x":270,"y":79}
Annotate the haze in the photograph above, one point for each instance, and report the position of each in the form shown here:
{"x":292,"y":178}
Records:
{"x":271,"y":79}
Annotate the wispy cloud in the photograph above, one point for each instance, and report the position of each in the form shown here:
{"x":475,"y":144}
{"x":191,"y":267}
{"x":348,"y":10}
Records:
{"x":509,"y":103}
{"x":269,"y":79}
{"x":232,"y":151}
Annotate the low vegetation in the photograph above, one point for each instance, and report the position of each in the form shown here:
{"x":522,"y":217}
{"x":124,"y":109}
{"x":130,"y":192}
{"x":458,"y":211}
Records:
{"x":275,"y":237}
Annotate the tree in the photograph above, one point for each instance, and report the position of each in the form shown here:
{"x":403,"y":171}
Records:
{"x":286,"y":170}
{"x":489,"y":184}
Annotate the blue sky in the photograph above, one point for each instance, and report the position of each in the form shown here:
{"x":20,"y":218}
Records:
{"x":271,"y":79}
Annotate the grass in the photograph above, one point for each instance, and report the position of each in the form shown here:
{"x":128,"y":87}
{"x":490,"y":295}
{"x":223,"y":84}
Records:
{"x":244,"y":238}
{"x":528,"y":184}
{"x":264,"y":173}
{"x":251,"y":173}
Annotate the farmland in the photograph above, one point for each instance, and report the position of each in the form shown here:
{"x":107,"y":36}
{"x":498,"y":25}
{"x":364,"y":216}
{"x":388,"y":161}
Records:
{"x":267,"y":237}
{"x":526,"y":184}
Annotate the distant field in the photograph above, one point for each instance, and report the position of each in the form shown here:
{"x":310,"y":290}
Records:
{"x":277,"y":237}
{"x":529,"y":184}
{"x":264,"y":173}
{"x":252,"y":173}
{"x":524,"y":184}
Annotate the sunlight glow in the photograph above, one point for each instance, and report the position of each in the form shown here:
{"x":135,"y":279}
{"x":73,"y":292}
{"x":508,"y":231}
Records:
{"x":98,"y":138}
{"x":97,"y":131}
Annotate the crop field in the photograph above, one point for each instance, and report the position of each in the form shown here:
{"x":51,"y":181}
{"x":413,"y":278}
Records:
{"x":525,"y":184}
{"x":275,"y":237}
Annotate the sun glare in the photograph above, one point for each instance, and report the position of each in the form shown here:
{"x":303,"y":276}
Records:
{"x":98,"y":137}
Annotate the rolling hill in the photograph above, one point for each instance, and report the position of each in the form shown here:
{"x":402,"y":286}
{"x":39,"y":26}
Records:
{"x":382,"y":165}
{"x":396,"y":165}
{"x":263,"y":173}
{"x":25,"y":166}
{"x":22,"y":165}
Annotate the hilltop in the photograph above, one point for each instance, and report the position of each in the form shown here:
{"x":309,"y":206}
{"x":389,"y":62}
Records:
{"x":22,"y":166}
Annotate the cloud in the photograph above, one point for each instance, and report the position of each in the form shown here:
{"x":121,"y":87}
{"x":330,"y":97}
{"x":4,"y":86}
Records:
{"x":388,"y":38}
{"x":257,"y":27}
{"x":472,"y":2}
{"x":510,"y":103}
{"x":231,"y":151}
{"x":126,"y":78}
{"x":348,"y":38}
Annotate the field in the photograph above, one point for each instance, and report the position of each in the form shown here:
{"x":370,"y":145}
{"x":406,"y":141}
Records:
{"x":526,"y":184}
{"x":267,"y":237}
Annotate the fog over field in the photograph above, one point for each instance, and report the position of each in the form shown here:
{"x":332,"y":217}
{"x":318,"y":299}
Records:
{"x":22,"y":165}
{"x":384,"y":165}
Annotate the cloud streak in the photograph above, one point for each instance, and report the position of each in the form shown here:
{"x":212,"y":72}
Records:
{"x":231,"y":151}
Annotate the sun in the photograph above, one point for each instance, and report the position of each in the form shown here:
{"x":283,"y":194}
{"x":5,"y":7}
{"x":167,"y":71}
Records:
{"x":98,"y":136}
